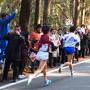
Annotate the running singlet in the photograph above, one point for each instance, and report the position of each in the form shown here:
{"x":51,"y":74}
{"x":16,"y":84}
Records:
{"x":70,"y":40}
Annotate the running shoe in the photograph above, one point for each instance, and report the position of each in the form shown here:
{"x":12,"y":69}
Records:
{"x":21,"y":76}
{"x":60,"y":68}
{"x":30,"y":79}
{"x":48,"y":82}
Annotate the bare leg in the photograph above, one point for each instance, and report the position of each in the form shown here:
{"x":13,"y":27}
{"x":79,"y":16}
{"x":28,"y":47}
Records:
{"x":47,"y":81}
{"x":39,"y":70}
{"x":70,"y":58}
{"x":69,"y":63}
{"x":45,"y":72}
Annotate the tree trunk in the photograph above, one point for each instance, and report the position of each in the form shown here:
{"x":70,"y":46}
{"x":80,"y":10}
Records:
{"x":75,"y":11}
{"x":37,"y":11}
{"x":71,"y":9}
{"x":46,"y":11}
{"x":25,"y":14}
{"x":82,"y":12}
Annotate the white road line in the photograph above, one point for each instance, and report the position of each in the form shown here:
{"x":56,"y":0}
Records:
{"x":24,"y":80}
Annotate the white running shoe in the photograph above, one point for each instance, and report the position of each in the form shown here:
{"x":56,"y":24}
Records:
{"x":48,"y":82}
{"x":21,"y":76}
{"x":30,"y":79}
{"x":60,"y":68}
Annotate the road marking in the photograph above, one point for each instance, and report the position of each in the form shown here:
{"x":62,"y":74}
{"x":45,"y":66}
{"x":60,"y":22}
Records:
{"x":24,"y":80}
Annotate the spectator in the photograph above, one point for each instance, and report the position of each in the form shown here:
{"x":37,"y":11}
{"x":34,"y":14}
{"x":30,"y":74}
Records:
{"x":13,"y":53}
{"x":55,"y":39}
{"x":4,"y":29}
{"x":24,"y":54}
{"x":34,"y":38}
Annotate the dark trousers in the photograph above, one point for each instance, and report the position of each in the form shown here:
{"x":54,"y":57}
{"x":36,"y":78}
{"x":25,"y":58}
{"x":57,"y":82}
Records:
{"x":21,"y":67}
{"x":55,"y":61}
{"x":50,"y":62}
{"x":76,"y":55}
{"x":89,"y":47}
{"x":15,"y":66}
{"x":82,"y":52}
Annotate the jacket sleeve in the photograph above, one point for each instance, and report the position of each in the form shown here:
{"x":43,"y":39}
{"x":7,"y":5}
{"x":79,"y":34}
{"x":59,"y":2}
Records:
{"x":8,"y":18}
{"x":6,"y":37}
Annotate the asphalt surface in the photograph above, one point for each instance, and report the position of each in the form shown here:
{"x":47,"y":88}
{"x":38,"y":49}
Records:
{"x":60,"y":81}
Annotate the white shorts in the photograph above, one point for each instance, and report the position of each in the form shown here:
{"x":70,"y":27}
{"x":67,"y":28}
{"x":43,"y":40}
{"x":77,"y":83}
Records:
{"x":42,"y":56}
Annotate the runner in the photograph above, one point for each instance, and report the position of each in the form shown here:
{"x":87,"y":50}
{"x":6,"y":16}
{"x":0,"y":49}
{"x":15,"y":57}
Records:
{"x":70,"y":40}
{"x":42,"y":56}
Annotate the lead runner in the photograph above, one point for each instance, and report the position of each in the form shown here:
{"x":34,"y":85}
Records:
{"x":70,"y":40}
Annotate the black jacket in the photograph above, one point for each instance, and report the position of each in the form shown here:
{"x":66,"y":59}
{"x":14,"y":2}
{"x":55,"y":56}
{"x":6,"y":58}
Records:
{"x":13,"y":49}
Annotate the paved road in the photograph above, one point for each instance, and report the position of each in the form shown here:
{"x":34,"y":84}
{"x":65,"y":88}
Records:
{"x":63,"y":81}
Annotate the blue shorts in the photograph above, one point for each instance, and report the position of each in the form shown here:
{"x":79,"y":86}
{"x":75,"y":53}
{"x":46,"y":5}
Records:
{"x":69,"y":50}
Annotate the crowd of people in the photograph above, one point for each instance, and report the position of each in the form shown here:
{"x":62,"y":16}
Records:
{"x":42,"y":48}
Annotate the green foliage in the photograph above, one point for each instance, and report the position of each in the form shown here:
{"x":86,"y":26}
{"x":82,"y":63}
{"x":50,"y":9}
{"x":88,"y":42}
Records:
{"x":1,"y":1}
{"x":60,"y":10}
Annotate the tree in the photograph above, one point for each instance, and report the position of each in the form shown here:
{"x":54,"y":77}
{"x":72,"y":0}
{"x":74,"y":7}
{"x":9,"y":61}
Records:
{"x":82,"y":11}
{"x":71,"y":8}
{"x":25,"y":14}
{"x":37,"y":16}
{"x":46,"y":11}
{"x":76,"y":11}
{"x":1,"y":1}
{"x":53,"y":12}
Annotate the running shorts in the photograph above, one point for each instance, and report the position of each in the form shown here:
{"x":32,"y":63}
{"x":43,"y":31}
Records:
{"x":69,"y":50}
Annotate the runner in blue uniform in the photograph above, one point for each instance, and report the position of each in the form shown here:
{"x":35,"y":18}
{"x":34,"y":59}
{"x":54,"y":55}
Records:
{"x":70,"y":40}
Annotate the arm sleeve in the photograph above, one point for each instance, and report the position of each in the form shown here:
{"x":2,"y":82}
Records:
{"x":22,"y":40}
{"x":6,"y":37}
{"x":8,"y":18}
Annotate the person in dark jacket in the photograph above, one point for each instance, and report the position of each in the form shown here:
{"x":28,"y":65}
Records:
{"x":13,"y":53}
{"x":83,"y":44}
{"x":24,"y":54}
